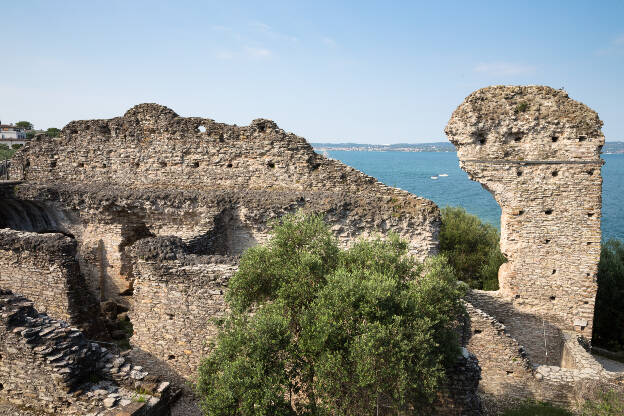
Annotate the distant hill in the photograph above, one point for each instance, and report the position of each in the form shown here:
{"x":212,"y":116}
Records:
{"x":613,"y":147}
{"x":397,"y":147}
{"x":609,"y":147}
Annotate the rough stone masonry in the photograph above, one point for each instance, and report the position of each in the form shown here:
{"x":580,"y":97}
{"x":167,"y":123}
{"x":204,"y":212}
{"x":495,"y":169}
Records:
{"x":199,"y":193}
{"x":538,"y":152}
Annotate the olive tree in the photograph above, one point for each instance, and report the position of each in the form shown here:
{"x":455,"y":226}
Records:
{"x":316,"y":330}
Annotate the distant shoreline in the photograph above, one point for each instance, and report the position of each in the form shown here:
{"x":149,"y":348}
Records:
{"x":609,"y":147}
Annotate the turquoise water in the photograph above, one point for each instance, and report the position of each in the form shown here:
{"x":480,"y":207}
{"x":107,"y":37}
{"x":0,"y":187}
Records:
{"x":412,"y":171}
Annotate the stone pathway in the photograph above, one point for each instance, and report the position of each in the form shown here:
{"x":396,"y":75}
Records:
{"x":609,"y":364}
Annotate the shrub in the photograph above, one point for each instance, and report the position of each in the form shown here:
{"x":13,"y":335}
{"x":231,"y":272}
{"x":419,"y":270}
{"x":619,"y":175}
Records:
{"x":6,"y":152}
{"x":472,"y":248}
{"x":316,"y":330}
{"x":53,"y":132}
{"x":522,"y":107}
{"x":609,"y":310}
{"x":26,"y":125}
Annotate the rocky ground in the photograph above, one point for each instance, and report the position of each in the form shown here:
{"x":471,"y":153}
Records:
{"x":10,"y":410}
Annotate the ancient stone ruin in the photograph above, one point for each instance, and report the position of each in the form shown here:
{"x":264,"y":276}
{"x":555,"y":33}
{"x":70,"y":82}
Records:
{"x":144,"y":217}
{"x":140,"y":221}
{"x":538,"y":152}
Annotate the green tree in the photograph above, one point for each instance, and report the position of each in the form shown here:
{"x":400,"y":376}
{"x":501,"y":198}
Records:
{"x":26,"y":125}
{"x":472,"y":248}
{"x":609,"y":310}
{"x":6,"y":152}
{"x":316,"y":330}
{"x":53,"y":132}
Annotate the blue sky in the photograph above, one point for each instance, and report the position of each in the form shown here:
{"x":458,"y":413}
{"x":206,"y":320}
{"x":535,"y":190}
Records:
{"x":370,"y":72}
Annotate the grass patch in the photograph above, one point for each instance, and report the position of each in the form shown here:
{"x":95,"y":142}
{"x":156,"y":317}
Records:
{"x":537,"y":409}
{"x":609,"y":403}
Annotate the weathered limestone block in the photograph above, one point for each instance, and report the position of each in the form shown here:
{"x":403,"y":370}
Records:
{"x":538,"y":152}
{"x":44,"y":268}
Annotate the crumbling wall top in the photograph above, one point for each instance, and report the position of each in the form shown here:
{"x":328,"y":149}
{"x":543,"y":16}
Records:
{"x":18,"y":241}
{"x":524,"y":123}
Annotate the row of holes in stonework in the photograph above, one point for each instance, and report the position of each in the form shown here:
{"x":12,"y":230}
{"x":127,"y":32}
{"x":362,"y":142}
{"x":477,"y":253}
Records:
{"x":553,"y":297}
{"x":555,"y":172}
{"x":518,"y":138}
{"x":196,"y":165}
{"x":550,"y":211}
{"x":269,"y":164}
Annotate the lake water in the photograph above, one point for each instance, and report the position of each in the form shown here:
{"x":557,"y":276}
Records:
{"x":412,"y":171}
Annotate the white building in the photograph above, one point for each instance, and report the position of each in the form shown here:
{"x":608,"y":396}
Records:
{"x":10,"y":135}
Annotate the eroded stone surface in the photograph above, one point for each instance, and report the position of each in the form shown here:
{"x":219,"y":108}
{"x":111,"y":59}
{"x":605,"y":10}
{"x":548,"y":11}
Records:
{"x":151,"y":173}
{"x":48,"y":366}
{"x":538,"y":152}
{"x":159,"y":211}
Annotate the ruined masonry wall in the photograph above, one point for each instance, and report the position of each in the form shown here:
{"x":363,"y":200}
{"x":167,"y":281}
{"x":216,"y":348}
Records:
{"x":178,"y":297}
{"x":538,"y":152}
{"x":153,"y":149}
{"x":509,"y":374}
{"x":175,"y":305}
{"x":48,"y":366}
{"x":26,"y":377}
{"x":43,"y":268}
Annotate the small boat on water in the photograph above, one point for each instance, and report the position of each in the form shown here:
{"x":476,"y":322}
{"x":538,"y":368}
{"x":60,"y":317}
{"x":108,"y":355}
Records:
{"x":443,"y":174}
{"x":434,"y":177}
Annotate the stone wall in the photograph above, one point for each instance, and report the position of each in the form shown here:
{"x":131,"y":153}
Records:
{"x":110,"y":183}
{"x":177,"y":298}
{"x":43,"y":267}
{"x":459,"y":396}
{"x":524,"y":359}
{"x":152,"y":148}
{"x":48,"y":366}
{"x":538,"y":152}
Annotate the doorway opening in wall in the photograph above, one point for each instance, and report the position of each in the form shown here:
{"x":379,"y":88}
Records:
{"x":472,"y":248}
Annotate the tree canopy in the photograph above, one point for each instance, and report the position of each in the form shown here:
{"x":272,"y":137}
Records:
{"x":53,"y":132}
{"x":472,"y":248}
{"x":26,"y":125}
{"x":609,"y":310}
{"x":316,"y":330}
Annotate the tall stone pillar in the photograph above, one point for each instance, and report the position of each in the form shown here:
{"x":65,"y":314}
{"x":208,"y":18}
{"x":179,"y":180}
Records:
{"x":538,"y":152}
